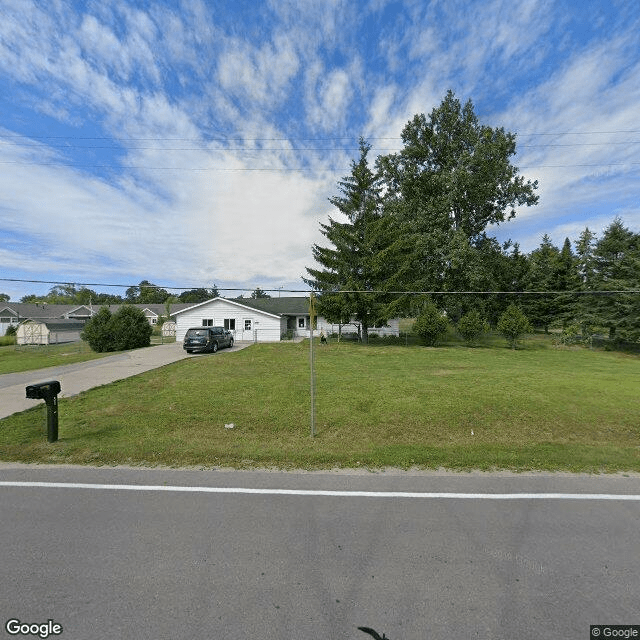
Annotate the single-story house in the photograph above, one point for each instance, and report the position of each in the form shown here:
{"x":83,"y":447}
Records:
{"x":15,"y":313}
{"x":262,"y":319}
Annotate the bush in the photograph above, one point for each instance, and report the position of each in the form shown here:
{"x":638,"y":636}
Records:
{"x":430,"y":325}
{"x":97,"y":332}
{"x":513,"y":324}
{"x":12,"y":330}
{"x":130,"y":329}
{"x":126,"y":329}
{"x":471,"y":326}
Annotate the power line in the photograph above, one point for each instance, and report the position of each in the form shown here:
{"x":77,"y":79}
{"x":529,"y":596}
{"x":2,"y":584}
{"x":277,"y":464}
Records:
{"x":292,"y":149}
{"x":315,"y":291}
{"x":75,"y":165}
{"x":291,"y":139}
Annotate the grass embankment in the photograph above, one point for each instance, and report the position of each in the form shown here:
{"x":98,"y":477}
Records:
{"x":456,"y":407}
{"x":14,"y":359}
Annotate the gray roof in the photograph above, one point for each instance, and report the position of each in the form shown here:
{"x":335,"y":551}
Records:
{"x":43,"y":311}
{"x":286,"y":306}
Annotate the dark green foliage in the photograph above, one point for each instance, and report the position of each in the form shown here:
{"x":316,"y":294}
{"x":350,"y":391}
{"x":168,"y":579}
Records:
{"x":97,"y":332}
{"x":126,"y":329}
{"x":430,"y":325}
{"x":130,"y":329}
{"x":146,"y":293}
{"x":12,"y":330}
{"x":513,"y":324}
{"x":471,"y":326}
{"x":356,"y":264}
{"x":68,"y":294}
{"x":259,"y":293}
{"x":451,"y":180}
{"x":199,"y":295}
{"x":617,"y":268}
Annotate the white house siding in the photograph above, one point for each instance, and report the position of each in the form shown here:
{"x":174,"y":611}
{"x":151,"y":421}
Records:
{"x":391,"y":329}
{"x":250,"y":324}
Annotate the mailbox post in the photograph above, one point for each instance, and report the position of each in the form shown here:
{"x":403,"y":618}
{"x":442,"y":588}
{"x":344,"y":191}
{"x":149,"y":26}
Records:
{"x":47,"y":391}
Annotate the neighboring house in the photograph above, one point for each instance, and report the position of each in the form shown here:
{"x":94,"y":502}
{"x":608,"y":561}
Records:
{"x":262,"y":319}
{"x":15,"y":313}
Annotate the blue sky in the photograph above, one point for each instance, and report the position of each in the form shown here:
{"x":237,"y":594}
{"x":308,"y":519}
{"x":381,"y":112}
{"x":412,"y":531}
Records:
{"x":197,"y":142}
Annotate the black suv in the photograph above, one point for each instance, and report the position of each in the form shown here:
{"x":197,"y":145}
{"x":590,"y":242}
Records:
{"x":207,"y":339}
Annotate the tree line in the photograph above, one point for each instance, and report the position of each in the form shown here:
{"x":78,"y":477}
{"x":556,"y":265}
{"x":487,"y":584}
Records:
{"x":417,"y":221}
{"x":144,"y":293}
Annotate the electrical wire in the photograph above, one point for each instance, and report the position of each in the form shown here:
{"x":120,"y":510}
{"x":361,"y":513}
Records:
{"x":316,"y":291}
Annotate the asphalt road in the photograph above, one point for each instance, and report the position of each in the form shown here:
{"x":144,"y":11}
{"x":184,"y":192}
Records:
{"x":217,"y":554}
{"x":81,"y":376}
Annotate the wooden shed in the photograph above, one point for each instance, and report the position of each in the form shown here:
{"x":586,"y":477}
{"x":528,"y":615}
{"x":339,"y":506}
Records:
{"x":54,"y":331}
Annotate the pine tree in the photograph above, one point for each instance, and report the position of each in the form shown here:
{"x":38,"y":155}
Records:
{"x":539,"y":307}
{"x":617,"y":268}
{"x":356,"y":262}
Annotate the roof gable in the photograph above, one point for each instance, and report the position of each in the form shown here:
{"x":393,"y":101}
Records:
{"x":236,"y":303}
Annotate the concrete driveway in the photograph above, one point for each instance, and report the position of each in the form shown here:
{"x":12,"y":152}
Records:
{"x":75,"y":378}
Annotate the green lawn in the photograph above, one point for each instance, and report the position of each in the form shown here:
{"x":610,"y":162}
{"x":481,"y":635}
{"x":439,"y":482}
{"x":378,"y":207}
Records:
{"x":540,"y":407}
{"x":14,"y":359}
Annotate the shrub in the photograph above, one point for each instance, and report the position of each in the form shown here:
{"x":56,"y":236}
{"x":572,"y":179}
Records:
{"x":471,"y":326}
{"x":513,"y":324}
{"x":126,"y":329}
{"x":130,"y":329}
{"x":97,"y":332}
{"x":430,"y":325}
{"x":12,"y":330}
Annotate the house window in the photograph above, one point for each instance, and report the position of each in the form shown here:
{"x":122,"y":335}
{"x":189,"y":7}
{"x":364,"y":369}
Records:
{"x":301,"y":323}
{"x":230,"y":324}
{"x":207,"y":322}
{"x":247,"y":324}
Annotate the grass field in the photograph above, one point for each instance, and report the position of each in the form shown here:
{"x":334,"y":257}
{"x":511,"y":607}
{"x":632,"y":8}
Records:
{"x":489,"y":407}
{"x":14,"y":359}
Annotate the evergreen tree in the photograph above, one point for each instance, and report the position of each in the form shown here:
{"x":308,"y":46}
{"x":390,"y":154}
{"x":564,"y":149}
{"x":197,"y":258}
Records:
{"x":617,"y":268}
{"x":565,"y":278}
{"x":541,"y":308}
{"x":586,"y":305}
{"x":355,"y":262}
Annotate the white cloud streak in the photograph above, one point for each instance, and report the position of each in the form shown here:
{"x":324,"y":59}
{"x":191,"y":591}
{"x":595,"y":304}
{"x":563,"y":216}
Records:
{"x":195,"y":88}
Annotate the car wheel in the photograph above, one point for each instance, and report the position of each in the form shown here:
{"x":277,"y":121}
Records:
{"x":230,"y":343}
{"x":214,"y":347}
{"x":189,"y":350}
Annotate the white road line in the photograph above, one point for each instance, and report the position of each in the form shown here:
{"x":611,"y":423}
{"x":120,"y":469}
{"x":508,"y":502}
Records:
{"x":328,"y":493}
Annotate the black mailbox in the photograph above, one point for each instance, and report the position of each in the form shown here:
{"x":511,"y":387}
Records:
{"x":47,"y":391}
{"x":43,"y":390}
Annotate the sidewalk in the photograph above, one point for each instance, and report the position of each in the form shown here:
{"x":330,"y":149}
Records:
{"x":75,"y":378}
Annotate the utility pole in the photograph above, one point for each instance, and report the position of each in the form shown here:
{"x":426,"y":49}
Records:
{"x":312,"y":313}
